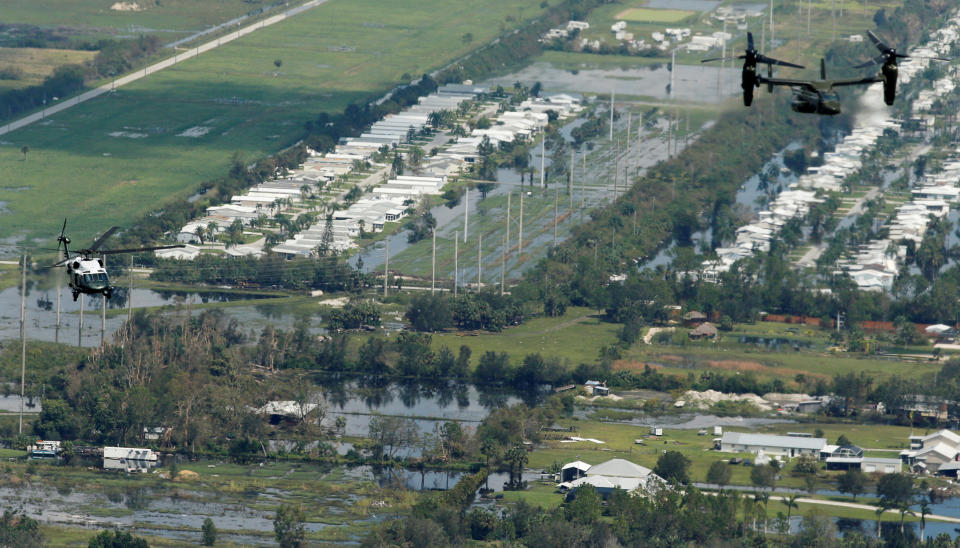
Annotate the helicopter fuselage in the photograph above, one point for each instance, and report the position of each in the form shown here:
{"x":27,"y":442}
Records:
{"x":810,"y":101}
{"x":88,"y":276}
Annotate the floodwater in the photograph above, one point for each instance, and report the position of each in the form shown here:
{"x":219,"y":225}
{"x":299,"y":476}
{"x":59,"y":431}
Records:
{"x":687,"y":421}
{"x":429,"y":406}
{"x":158,"y":514}
{"x":775,"y":343}
{"x":41,"y":310}
{"x":701,"y":83}
{"x":751,"y":197}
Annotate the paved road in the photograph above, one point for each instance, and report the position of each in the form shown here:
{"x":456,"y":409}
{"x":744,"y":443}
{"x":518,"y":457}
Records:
{"x":859,"y":506}
{"x":856,"y":506}
{"x":166,"y":63}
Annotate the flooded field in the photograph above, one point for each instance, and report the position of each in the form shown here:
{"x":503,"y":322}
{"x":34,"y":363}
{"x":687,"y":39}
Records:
{"x":701,"y":84}
{"x":41,"y":305}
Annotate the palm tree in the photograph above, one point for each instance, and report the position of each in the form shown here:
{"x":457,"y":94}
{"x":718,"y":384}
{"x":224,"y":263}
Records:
{"x":212,"y":230}
{"x":879,"y":511}
{"x":924,"y":510}
{"x":763,"y":498}
{"x":904,"y":509}
{"x":791,"y":503}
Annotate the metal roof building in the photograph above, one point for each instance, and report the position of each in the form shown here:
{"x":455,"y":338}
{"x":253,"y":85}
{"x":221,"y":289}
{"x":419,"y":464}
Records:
{"x":786,"y":446}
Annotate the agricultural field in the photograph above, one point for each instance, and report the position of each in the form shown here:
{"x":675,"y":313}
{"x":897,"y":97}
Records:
{"x":94,"y":19}
{"x":777,"y":354}
{"x":112,"y":159}
{"x":31,"y":65}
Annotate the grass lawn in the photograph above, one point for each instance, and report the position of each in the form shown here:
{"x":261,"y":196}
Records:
{"x":112,"y":159}
{"x":563,"y":338}
{"x":619,"y":443}
{"x":654,"y":15}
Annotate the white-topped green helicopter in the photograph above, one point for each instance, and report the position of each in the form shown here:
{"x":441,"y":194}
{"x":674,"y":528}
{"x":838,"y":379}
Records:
{"x":86,"y":274}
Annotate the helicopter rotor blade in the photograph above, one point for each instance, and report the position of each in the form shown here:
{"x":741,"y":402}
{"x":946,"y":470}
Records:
{"x":880,"y":45}
{"x":59,"y":263}
{"x":719,"y":59}
{"x":103,"y":237}
{"x":136,"y":249}
{"x":771,"y":61}
{"x":749,"y":40}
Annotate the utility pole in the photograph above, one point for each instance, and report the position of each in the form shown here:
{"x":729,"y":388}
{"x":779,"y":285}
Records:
{"x":763,"y":32}
{"x":616,"y":171}
{"x":771,"y":26}
{"x":130,"y":294}
{"x":23,"y":337}
{"x":386,"y":268}
{"x":613,"y":97}
{"x":508,"y":217}
{"x":56,"y":336}
{"x":80,"y":329}
{"x":573,"y":155}
{"x":479,"y":257}
{"x":556,"y":212}
{"x":673,"y":70}
{"x":520,"y":230}
{"x":542,"y":156}
{"x":433,"y":263}
{"x":583,"y":183}
{"x":456,"y":258}
{"x":103,"y":312}
{"x":503,"y":262}
{"x":466,"y":212}
{"x":833,"y":16}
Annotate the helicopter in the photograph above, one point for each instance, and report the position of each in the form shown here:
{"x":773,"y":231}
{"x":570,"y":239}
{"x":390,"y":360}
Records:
{"x":888,"y":66}
{"x":748,"y":76}
{"x":815,"y":96}
{"x":87,"y":274}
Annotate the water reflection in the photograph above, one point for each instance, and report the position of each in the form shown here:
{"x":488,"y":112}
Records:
{"x":427,"y":403}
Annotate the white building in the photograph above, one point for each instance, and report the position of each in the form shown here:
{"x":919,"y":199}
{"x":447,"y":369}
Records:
{"x":785,"y":446}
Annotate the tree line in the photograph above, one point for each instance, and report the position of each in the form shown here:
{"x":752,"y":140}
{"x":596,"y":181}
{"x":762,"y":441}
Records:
{"x":114,"y":57}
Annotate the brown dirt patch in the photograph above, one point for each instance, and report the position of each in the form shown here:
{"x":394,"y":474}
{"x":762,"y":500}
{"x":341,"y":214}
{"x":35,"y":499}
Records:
{"x":737,"y":365}
{"x":629,"y":365}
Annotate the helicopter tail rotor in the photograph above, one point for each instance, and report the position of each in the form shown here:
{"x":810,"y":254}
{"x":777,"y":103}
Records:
{"x":63,"y":253}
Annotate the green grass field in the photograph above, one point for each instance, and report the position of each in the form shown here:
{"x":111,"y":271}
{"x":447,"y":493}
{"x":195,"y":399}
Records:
{"x":170,"y":19}
{"x":565,"y":338}
{"x":112,"y":159}
{"x":654,"y":15}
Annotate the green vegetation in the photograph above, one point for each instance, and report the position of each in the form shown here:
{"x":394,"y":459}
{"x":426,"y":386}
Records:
{"x":654,"y":15}
{"x":127,"y":152}
{"x":23,"y":67}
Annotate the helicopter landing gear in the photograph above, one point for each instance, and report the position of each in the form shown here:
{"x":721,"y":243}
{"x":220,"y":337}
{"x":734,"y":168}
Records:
{"x":75,"y":295}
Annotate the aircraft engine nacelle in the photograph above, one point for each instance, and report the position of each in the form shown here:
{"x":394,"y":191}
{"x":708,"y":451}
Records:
{"x":889,"y":74}
{"x":747,"y":83}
